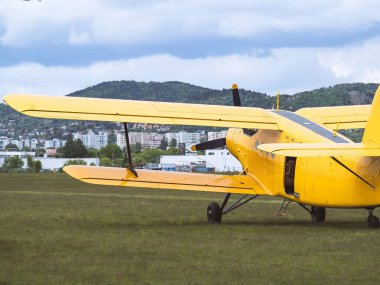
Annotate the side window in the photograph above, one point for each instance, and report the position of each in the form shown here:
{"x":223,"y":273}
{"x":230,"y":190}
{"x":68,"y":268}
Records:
{"x":249,"y":132}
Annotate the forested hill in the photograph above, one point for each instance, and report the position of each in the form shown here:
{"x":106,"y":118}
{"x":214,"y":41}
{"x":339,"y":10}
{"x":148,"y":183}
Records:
{"x":342,"y":94}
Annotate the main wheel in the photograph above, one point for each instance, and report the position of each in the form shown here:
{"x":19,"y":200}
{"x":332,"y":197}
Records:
{"x":214,"y":213}
{"x":318,"y":214}
{"x":373,"y":222}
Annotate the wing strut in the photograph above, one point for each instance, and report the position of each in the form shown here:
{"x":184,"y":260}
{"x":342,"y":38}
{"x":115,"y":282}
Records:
{"x":129,"y":156}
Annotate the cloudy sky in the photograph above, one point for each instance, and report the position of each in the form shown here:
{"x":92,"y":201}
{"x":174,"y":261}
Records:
{"x":57,"y":47}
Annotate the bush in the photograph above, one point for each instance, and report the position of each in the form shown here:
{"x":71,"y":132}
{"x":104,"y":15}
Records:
{"x":37,"y":165}
{"x":73,"y":162}
{"x":105,"y":161}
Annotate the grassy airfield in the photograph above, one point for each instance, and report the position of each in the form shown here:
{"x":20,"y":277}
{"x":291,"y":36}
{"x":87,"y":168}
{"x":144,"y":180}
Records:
{"x":55,"y":230}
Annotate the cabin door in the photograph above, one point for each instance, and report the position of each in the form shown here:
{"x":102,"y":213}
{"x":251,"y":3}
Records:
{"x":290,"y":171}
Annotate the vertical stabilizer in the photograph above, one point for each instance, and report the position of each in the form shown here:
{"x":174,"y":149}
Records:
{"x":372,"y":129}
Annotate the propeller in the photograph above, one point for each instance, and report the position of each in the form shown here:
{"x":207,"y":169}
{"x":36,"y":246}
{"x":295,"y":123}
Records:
{"x":209,"y":144}
{"x":219,"y":142}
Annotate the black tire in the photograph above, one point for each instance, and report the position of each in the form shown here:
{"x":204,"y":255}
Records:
{"x":214,"y":213}
{"x":373,"y":222}
{"x":318,"y":214}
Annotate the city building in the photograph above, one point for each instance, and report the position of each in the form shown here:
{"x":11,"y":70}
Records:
{"x":216,"y":135}
{"x":91,"y":140}
{"x":4,"y":141}
{"x":54,"y":143}
{"x":21,"y":143}
{"x":147,"y":140}
{"x":184,"y":137}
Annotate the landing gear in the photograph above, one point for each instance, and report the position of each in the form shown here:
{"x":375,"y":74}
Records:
{"x":318,"y":214}
{"x":373,"y":221}
{"x":214,"y":213}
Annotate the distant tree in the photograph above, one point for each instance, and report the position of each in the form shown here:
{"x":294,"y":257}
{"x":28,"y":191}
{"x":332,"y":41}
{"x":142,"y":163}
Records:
{"x":164,"y":144}
{"x":105,"y":161}
{"x":37,"y":165}
{"x":11,"y":146}
{"x":25,"y":148}
{"x":74,"y":148}
{"x":172,"y":151}
{"x":111,"y":151}
{"x":173,"y":143}
{"x":29,"y":162}
{"x":12,"y":163}
{"x":146,"y":156}
{"x":75,"y":162}
{"x":92,"y":152}
{"x":135,"y":148}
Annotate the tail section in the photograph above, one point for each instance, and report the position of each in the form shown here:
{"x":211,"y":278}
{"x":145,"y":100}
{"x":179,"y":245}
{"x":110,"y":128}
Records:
{"x":372,"y":129}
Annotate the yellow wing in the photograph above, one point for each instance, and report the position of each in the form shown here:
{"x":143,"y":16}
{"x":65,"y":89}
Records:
{"x":62,"y":107}
{"x":240,"y":184}
{"x":340,"y":117}
{"x":321,"y":149}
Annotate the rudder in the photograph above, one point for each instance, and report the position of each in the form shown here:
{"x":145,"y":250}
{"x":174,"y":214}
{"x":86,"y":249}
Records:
{"x":372,"y":130}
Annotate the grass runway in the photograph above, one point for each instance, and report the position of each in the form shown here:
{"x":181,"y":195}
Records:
{"x":55,"y":230}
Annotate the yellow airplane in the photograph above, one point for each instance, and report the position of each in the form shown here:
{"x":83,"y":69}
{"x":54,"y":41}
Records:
{"x":298,"y":156}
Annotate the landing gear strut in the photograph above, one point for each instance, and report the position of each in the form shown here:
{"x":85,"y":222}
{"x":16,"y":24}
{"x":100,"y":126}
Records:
{"x":373,"y":221}
{"x":215,"y":212}
{"x":318,"y":214}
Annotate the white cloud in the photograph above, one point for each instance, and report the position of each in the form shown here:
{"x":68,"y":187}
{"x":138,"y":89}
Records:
{"x":141,"y":22}
{"x":149,"y":23}
{"x":359,"y":62}
{"x":286,"y":69}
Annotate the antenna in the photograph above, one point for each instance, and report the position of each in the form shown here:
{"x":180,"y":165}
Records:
{"x":278,"y":100}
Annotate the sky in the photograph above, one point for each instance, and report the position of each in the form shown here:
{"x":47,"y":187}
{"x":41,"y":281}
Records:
{"x":57,"y":47}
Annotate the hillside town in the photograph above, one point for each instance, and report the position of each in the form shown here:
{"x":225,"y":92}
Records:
{"x":47,"y":151}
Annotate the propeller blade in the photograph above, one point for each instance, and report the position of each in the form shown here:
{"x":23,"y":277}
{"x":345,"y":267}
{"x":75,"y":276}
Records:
{"x":209,"y":144}
{"x":236,"y":95}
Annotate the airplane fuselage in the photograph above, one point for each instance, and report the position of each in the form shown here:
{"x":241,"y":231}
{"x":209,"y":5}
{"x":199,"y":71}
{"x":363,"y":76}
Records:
{"x":349,"y":182}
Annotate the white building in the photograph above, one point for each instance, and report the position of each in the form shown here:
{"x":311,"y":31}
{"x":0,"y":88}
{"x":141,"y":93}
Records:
{"x":216,"y":135}
{"x":91,"y":140}
{"x":54,"y":143}
{"x":221,"y":160}
{"x":147,"y":140}
{"x":47,"y":163}
{"x":21,"y":143}
{"x":29,"y":143}
{"x":56,"y":163}
{"x":4,"y":141}
{"x":184,"y":137}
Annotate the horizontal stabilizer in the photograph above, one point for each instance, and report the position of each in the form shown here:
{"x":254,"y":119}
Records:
{"x":239,"y":184}
{"x":321,"y":149}
{"x":94,"y":109}
{"x":338,"y":117}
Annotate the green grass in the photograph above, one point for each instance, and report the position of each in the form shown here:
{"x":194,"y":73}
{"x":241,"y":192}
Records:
{"x":55,"y":230}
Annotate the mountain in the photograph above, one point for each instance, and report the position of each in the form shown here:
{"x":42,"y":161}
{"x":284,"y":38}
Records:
{"x":16,"y":124}
{"x":173,"y":91}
